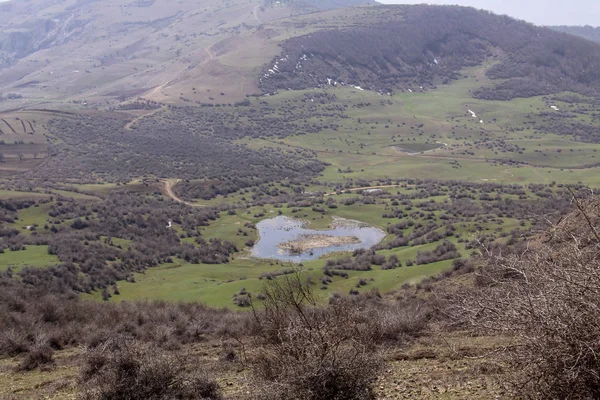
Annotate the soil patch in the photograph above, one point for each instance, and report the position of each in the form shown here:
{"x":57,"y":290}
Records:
{"x":316,"y":241}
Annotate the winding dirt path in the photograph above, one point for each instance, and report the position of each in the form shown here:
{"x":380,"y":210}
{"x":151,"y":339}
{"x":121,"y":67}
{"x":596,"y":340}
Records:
{"x":136,"y":119}
{"x":167,"y":189}
{"x":210,"y":53}
{"x":256,"y":16}
{"x":159,"y":89}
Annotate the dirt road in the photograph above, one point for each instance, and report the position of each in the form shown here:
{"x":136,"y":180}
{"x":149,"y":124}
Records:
{"x":256,"y":16}
{"x":168,"y":185}
{"x":136,"y":119}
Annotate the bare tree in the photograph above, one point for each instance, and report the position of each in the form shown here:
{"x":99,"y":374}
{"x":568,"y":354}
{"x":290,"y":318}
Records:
{"x":309,"y":352}
{"x":546,"y":297}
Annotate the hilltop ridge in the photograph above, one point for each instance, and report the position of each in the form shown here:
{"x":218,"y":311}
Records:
{"x":103,"y":53}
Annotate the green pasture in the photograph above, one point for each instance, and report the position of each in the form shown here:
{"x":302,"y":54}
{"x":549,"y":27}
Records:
{"x":215,"y":285}
{"x":432,"y":135}
{"x":33,"y":256}
{"x":36,"y":215}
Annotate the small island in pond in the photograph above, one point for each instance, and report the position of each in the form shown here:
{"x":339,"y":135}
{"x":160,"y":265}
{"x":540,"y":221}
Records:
{"x":316,"y":241}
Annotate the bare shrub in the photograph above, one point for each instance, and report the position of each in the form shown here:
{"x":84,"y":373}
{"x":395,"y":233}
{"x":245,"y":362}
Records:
{"x":122,"y":369}
{"x":547,"y":297}
{"x":39,"y":355}
{"x":13,"y":342}
{"x":309,"y":352}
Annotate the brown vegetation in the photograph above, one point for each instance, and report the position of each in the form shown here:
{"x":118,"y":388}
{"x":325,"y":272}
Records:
{"x":546,"y":297}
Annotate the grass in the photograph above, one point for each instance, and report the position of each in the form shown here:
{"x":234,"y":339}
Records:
{"x":443,"y":140}
{"x":215,"y":285}
{"x":33,"y":256}
{"x":53,"y":383}
{"x":33,"y":216}
{"x":445,"y":143}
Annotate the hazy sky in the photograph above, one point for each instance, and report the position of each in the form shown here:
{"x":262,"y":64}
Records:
{"x":541,"y":12}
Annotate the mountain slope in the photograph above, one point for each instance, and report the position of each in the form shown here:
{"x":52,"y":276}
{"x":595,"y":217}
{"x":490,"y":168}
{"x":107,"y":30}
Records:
{"x":190,"y":52}
{"x":94,"y":51}
{"x":423,"y":46}
{"x":587,"y":32}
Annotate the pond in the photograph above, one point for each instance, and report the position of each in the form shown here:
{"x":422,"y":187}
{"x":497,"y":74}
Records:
{"x":287,"y":239}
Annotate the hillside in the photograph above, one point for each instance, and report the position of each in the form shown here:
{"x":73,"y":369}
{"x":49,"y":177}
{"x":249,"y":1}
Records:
{"x":424,"y":46}
{"x":102,"y":53}
{"x":588,"y":32}
{"x":297,"y":200}
{"x":95,"y":51}
{"x":99,"y":52}
{"x":333,"y":4}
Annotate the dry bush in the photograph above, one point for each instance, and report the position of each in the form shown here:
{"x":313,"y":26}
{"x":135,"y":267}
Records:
{"x":124,"y":370}
{"x":67,"y":321}
{"x":313,"y":353}
{"x":39,"y":355}
{"x":547,"y":297}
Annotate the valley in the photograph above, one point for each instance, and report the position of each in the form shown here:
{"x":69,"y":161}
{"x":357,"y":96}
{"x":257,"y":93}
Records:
{"x":260,"y":191}
{"x":301,"y":153}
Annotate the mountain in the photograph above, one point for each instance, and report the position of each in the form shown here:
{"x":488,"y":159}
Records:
{"x":422,"y":46}
{"x":204,"y":51}
{"x":95,"y":51}
{"x":587,"y":32}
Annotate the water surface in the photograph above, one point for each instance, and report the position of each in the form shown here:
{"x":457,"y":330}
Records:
{"x":275,"y":231}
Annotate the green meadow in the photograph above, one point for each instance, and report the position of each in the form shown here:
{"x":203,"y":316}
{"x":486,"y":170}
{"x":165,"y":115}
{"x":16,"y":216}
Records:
{"x":32,"y":256}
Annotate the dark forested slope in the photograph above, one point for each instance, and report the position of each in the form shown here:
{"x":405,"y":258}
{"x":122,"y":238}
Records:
{"x":427,"y":45}
{"x":588,"y":32}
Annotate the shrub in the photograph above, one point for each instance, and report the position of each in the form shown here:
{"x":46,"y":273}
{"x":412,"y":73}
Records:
{"x":546,"y":296}
{"x":122,"y":369}
{"x":39,"y":356}
{"x":313,"y":353}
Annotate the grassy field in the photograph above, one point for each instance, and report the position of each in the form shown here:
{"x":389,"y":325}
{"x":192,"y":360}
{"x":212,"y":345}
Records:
{"x":23,"y":144}
{"x":427,"y":135}
{"x":33,"y":256}
{"x":216,"y":284}
{"x":433,"y":135}
{"x":33,"y":216}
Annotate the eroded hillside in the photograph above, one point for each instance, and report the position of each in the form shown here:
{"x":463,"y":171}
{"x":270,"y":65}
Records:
{"x":89,"y":51}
